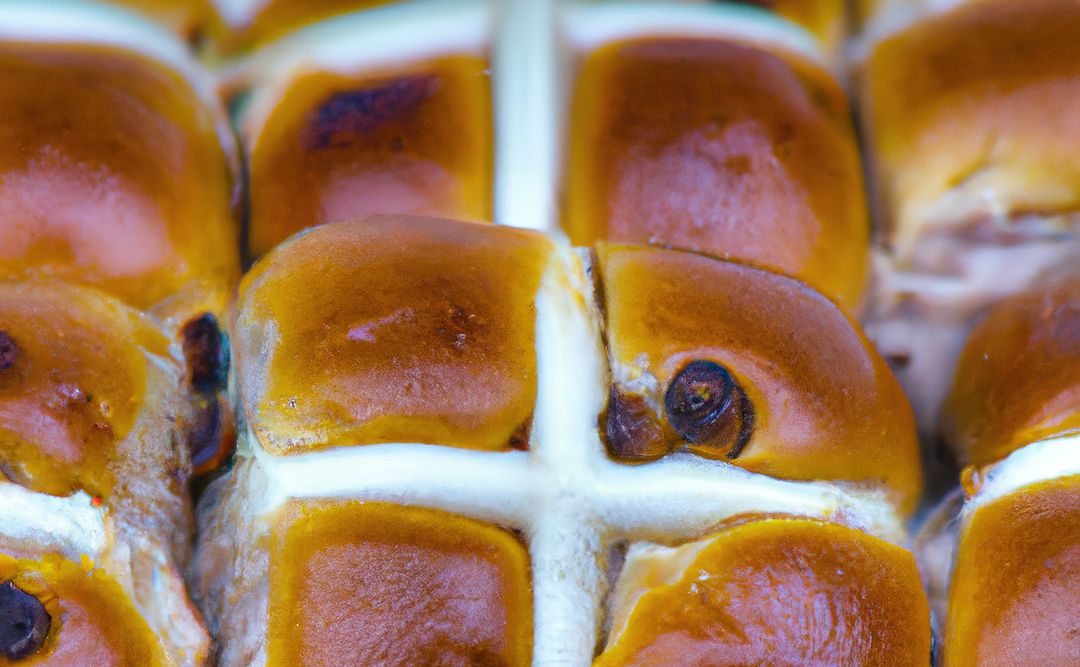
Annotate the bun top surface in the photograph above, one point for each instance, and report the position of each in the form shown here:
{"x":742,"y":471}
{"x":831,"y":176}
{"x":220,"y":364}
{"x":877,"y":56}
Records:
{"x":392,"y":329}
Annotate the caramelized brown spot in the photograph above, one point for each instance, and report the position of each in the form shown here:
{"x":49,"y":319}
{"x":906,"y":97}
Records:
{"x":706,"y":407}
{"x":459,"y":327}
{"x":24,"y":623}
{"x":8,"y":351}
{"x":519,"y":439}
{"x":411,"y":139}
{"x":354,"y":115}
{"x":206,"y":350}
{"x":631,"y":429}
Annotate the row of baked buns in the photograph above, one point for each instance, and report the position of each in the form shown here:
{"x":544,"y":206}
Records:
{"x":118,"y":262}
{"x":634,"y":421}
{"x":643,"y":430}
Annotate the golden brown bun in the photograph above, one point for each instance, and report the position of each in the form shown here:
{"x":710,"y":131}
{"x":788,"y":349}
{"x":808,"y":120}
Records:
{"x":723,"y":148}
{"x":414,"y":139}
{"x":392,"y":329}
{"x":824,"y":404}
{"x":92,"y":620}
{"x":776,"y":591}
{"x":73,"y":383}
{"x":972,"y":122}
{"x":93,"y":401}
{"x":1018,"y":378}
{"x":373,"y":583}
{"x":1016,"y":581}
{"x":112,"y":175}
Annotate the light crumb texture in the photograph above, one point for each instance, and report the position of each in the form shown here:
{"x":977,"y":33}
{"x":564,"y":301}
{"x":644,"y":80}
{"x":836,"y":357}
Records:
{"x":95,"y":476}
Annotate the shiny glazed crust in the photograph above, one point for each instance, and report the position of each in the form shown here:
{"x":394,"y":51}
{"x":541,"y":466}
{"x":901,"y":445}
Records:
{"x":108,"y":163}
{"x":375,"y":583}
{"x":972,"y":124}
{"x":775,"y":591}
{"x":573,"y":504}
{"x":93,"y":621}
{"x":720,"y":147}
{"x":410,"y":138}
{"x":392,"y":329}
{"x":95,"y":414}
{"x":798,"y":357}
{"x":1016,"y":580}
{"x":1018,"y":378}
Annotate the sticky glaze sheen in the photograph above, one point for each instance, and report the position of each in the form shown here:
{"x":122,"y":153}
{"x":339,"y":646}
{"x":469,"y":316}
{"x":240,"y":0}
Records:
{"x":414,"y":139}
{"x":108,"y":163}
{"x":825,"y":404}
{"x":392,"y":330}
{"x":778,"y":591}
{"x":719,"y":147}
{"x":372,"y":583}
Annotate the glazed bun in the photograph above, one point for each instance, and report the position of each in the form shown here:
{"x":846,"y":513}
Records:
{"x":981,"y":148}
{"x":741,"y":147}
{"x":94,"y":422}
{"x":461,"y":593}
{"x":1008,"y":559}
{"x":368,"y":114}
{"x":415,"y":389}
{"x":969,"y":112}
{"x":115,"y":162}
{"x":393,"y":329}
{"x":1016,"y":579}
{"x":780,"y":363}
{"x":767,"y":591}
{"x":1018,"y":377}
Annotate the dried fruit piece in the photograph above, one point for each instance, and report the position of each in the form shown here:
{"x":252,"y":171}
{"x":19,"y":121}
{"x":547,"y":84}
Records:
{"x":24,"y":623}
{"x":707,"y":408}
